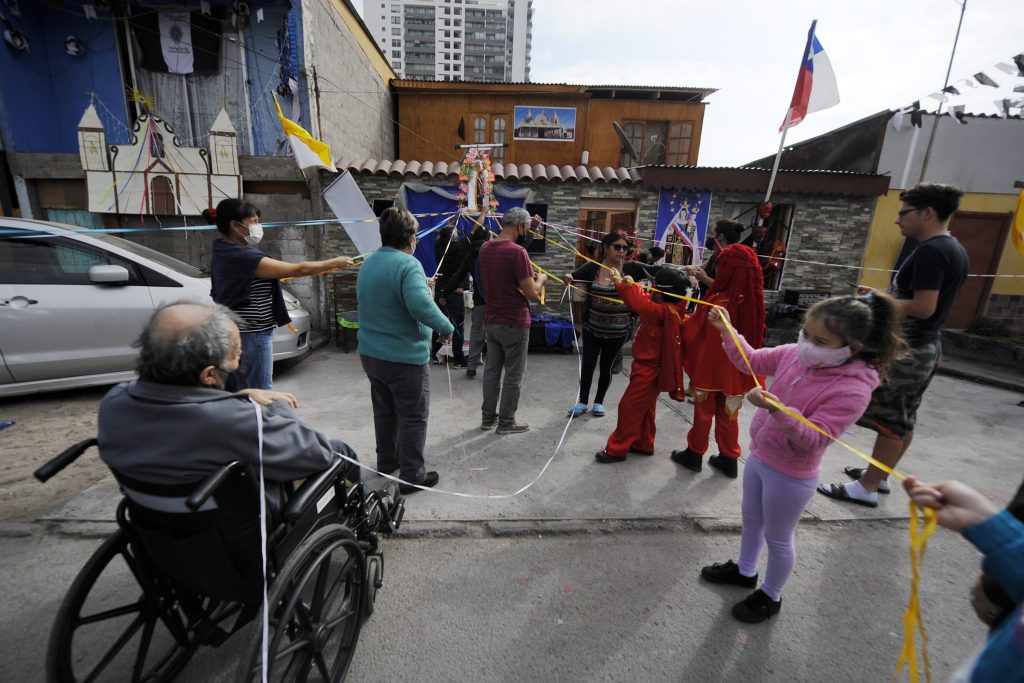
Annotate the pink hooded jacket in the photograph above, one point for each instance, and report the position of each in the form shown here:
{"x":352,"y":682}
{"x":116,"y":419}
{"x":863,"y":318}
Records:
{"x":832,"y":398}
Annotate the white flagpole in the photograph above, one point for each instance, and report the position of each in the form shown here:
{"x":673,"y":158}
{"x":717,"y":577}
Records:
{"x":778,"y":155}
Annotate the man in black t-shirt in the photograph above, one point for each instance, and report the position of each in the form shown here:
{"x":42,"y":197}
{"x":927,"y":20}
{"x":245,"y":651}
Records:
{"x":926,"y":286}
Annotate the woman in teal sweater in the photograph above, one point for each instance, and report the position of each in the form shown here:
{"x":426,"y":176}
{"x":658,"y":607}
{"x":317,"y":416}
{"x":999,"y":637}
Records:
{"x":396,"y":316}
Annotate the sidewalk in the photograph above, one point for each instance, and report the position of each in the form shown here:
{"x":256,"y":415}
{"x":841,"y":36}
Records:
{"x":965,"y":430}
{"x":1011,"y":379}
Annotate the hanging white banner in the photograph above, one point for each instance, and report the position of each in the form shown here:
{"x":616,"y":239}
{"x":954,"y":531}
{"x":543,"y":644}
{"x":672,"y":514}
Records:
{"x":176,"y":40}
{"x":347,"y":201}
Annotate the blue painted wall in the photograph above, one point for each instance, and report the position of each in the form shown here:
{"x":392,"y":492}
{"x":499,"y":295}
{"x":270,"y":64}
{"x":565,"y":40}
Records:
{"x":43,"y":92}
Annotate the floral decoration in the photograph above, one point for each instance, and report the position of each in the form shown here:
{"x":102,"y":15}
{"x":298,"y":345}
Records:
{"x":478,"y":160}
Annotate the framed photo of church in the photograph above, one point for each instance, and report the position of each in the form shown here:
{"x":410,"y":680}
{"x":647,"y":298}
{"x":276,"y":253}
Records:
{"x":556,"y":124}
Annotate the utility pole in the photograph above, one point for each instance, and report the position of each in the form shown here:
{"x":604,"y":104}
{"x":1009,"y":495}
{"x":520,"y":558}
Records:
{"x":938,"y":111}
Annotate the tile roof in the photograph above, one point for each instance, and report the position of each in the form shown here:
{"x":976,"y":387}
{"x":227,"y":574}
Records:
{"x":539,"y":172}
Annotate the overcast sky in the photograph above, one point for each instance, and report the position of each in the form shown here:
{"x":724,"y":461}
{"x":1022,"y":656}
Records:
{"x":885,"y":53}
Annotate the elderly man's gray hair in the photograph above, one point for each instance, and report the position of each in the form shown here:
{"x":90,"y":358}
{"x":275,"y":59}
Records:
{"x":515,"y":216}
{"x":183,"y":338}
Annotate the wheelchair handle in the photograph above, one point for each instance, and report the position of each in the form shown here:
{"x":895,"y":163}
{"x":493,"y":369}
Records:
{"x":67,"y":457}
{"x":210,"y":485}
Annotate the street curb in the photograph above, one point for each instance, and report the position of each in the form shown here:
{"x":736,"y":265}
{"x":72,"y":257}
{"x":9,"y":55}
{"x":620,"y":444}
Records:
{"x":15,"y":529}
{"x":997,"y":382}
{"x":467,"y":528}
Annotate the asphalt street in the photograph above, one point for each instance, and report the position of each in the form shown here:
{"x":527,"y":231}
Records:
{"x":591,"y":574}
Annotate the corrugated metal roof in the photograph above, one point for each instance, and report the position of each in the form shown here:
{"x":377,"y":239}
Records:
{"x":535,"y":172}
{"x":731,"y":179}
{"x":417,"y":82}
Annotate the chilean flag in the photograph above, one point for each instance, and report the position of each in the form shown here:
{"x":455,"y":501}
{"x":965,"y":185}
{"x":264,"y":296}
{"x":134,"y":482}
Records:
{"x":816,"y":87}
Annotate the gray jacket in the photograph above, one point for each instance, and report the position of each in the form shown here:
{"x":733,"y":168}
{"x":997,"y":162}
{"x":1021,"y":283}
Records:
{"x":167,"y":434}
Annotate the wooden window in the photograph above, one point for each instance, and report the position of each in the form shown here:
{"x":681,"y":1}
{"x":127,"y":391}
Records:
{"x":679,"y":136}
{"x":480,"y":129}
{"x":648,"y":139}
{"x":500,"y":125}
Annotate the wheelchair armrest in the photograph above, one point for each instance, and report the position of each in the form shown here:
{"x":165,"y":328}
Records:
{"x":63,"y":460}
{"x":210,"y":485}
{"x":314,"y":487}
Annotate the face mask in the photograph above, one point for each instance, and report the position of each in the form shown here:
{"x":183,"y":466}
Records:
{"x":255,"y":234}
{"x":814,"y":356}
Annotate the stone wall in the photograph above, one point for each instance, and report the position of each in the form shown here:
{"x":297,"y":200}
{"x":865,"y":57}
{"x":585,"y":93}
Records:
{"x":829,"y":230}
{"x":1007,"y":308}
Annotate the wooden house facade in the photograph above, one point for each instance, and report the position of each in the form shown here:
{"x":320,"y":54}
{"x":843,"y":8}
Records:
{"x":663,"y":124}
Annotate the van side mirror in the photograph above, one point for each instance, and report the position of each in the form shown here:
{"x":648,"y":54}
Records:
{"x":108,"y":275}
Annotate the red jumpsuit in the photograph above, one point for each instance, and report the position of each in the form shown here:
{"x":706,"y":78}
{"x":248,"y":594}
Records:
{"x":649,"y":375}
{"x":716,"y":386}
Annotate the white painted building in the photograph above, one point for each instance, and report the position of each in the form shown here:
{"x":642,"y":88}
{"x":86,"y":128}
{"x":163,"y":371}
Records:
{"x":454,"y":40}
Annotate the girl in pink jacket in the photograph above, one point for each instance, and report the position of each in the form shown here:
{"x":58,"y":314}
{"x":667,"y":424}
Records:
{"x":845,"y":344}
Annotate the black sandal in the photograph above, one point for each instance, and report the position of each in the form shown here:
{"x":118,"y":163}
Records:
{"x":838,"y":492}
{"x":856,"y":473}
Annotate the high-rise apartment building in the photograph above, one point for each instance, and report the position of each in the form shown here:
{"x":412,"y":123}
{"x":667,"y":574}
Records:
{"x":454,"y":40}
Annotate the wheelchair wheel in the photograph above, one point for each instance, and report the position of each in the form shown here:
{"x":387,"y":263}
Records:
{"x":316,"y":605}
{"x":374,"y":580}
{"x":109,"y":626}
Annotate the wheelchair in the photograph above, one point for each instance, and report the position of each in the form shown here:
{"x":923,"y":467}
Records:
{"x":184,"y":570}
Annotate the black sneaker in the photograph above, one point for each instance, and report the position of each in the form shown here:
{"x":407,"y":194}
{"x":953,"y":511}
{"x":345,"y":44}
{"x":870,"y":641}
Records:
{"x":605,"y":459}
{"x":728,"y":573}
{"x":688,"y":459}
{"x":756,"y":607}
{"x":471,"y":373}
{"x":723,"y":464}
{"x":430,"y":481}
{"x":514,"y":428}
{"x":486,"y":424}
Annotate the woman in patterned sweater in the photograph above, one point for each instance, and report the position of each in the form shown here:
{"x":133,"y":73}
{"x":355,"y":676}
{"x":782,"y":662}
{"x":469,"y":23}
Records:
{"x":606,"y":320}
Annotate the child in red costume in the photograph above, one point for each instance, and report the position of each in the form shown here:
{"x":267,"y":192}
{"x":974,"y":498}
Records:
{"x":716,"y":385}
{"x":656,"y":367}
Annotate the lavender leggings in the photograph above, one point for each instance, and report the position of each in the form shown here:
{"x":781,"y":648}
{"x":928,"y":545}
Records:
{"x":772,"y":505}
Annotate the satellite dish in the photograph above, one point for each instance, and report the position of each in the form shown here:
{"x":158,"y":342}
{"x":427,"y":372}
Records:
{"x":627,"y":146}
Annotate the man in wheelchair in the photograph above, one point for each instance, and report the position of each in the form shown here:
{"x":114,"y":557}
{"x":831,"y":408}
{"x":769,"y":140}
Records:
{"x":194,"y":559}
{"x":176,"y":423}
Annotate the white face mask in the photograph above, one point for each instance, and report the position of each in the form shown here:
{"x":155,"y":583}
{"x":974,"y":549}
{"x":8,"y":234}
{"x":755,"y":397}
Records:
{"x":255,"y":234}
{"x":814,"y":356}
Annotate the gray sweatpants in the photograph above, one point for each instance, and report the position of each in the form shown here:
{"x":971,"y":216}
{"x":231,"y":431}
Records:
{"x":400,"y":394}
{"x":506,"y":350}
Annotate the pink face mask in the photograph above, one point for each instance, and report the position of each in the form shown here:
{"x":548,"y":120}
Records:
{"x":814,"y":356}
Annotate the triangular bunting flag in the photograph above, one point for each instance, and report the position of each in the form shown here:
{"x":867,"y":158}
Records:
{"x":916,"y":115}
{"x":985,"y":80}
{"x":957,"y":112}
{"x":1019,"y":61}
{"x":951,"y":90}
{"x":1007,"y":68}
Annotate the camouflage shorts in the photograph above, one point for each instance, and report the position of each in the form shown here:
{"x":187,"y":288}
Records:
{"x":893,"y":408}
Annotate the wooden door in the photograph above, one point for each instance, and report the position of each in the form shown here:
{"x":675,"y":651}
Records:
{"x":983,"y":236}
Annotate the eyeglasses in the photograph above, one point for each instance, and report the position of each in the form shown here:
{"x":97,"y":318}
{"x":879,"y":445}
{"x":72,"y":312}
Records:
{"x":620,"y":247}
{"x":904,"y":212}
